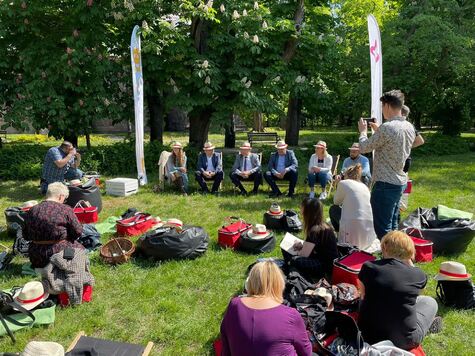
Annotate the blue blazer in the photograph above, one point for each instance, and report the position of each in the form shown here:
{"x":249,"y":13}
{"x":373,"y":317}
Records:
{"x":291,"y":162}
{"x":203,"y":162}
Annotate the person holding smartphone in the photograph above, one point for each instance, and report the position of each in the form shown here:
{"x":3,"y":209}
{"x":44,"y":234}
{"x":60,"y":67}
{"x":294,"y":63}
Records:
{"x":61,"y":163}
{"x":391,"y":143}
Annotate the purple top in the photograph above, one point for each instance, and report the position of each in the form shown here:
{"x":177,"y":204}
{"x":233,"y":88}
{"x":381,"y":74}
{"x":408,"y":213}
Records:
{"x":260,"y":332}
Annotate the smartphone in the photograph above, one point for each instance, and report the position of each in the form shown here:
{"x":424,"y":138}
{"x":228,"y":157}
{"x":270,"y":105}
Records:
{"x":68,"y":253}
{"x":368,"y":120}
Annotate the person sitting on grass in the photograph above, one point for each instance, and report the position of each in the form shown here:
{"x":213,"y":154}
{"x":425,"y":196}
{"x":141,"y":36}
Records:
{"x":176,"y":168}
{"x":320,"y":262}
{"x":319,"y":169}
{"x":354,"y":219}
{"x":392,"y":307}
{"x":258,"y":323}
{"x":210,"y":168}
{"x":60,"y":163}
{"x":282,"y":165}
{"x":246,"y":167}
{"x":51,"y":226}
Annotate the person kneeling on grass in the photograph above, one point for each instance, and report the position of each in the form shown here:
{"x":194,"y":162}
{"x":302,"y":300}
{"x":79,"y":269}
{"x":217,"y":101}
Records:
{"x":176,"y":168}
{"x":320,"y":261}
{"x":392,"y":307}
{"x":258,"y":323}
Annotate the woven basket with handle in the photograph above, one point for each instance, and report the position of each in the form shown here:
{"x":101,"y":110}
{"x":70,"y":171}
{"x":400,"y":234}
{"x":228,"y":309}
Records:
{"x":118,"y":250}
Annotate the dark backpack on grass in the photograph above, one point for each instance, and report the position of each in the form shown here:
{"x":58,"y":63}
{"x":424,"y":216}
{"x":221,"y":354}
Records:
{"x":457,"y":294}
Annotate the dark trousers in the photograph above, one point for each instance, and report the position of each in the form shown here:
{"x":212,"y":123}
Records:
{"x":217,"y":179}
{"x":291,"y":176}
{"x":335,"y":216}
{"x":385,"y":199}
{"x":255,"y":177}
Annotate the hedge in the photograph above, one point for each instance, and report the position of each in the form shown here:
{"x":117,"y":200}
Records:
{"x":23,"y":161}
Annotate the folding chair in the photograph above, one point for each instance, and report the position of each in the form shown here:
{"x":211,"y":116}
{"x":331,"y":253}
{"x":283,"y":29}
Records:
{"x":334,"y":172}
{"x":162,"y":162}
{"x":209,"y":183}
{"x":246,"y":183}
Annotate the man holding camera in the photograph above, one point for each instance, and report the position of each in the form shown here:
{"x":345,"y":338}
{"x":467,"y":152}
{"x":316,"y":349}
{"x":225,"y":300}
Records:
{"x":391,"y":143}
{"x":60,"y":163}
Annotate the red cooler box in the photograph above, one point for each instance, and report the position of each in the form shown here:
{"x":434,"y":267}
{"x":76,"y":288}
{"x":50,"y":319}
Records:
{"x":228,"y":235}
{"x":346,"y":268}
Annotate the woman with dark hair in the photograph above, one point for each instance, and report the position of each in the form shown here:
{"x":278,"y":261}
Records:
{"x":320,"y":261}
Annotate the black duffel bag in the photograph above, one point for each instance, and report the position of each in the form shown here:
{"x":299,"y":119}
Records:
{"x":457,"y":294}
{"x":255,"y":244}
{"x":15,"y":218}
{"x":89,"y":192}
{"x":273,"y":222}
{"x":448,"y":236}
{"x":289,"y":221}
{"x":168,"y":243}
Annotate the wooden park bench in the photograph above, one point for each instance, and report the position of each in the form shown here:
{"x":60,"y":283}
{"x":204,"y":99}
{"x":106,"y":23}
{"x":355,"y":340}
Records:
{"x":267,"y":137}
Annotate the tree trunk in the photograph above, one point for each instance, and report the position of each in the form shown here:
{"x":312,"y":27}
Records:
{"x":199,"y":127}
{"x":177,"y":120}
{"x":294,"y":111}
{"x":229,"y":133}
{"x":417,"y":120}
{"x":258,"y":123}
{"x":88,"y":141}
{"x":155,"y":109}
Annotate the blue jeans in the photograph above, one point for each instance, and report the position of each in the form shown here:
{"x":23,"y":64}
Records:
{"x":73,"y":173}
{"x":385,"y":199}
{"x":321,"y":177}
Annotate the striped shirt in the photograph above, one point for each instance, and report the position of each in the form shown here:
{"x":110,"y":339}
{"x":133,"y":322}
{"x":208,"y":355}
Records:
{"x":392,"y":144}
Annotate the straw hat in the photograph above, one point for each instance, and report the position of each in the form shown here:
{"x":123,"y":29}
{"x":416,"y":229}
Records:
{"x":452,"y":271}
{"x":245,"y":146}
{"x":258,"y":232}
{"x":177,"y":144}
{"x":321,"y":144}
{"x":280,"y":145}
{"x":158,"y":222}
{"x":28,"y":204}
{"x":354,"y":147}
{"x":174,"y":223}
{"x":208,"y":146}
{"x":275,"y":211}
{"x":43,"y":348}
{"x":31,"y":295}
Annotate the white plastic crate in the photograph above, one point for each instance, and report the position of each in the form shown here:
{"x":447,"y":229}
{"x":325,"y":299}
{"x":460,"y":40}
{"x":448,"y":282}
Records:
{"x":122,"y":187}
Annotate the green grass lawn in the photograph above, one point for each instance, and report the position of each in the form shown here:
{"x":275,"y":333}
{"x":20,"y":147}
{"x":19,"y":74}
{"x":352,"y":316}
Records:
{"x":179,"y":305}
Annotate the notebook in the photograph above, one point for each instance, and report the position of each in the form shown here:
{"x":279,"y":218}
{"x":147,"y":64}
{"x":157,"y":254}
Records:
{"x":290,"y":240}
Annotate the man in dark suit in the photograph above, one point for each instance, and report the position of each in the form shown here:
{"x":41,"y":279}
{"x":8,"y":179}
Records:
{"x":247,"y":166}
{"x":282,"y":165}
{"x":210,"y":168}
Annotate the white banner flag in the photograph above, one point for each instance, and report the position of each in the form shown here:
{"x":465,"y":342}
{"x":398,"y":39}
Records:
{"x":376,"y":57}
{"x":137,"y":80}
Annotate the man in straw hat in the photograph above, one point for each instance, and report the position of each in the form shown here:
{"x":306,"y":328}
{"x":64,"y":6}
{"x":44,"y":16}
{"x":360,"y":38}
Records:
{"x":246,"y":167}
{"x":355,"y":158}
{"x":210,"y":168}
{"x":282,"y":165}
{"x":391,"y":143}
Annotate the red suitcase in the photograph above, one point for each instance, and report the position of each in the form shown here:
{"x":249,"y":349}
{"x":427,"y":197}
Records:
{"x":347,"y":268}
{"x":423,"y":247}
{"x":136,"y":225}
{"x":228,"y":235}
{"x":86,"y":213}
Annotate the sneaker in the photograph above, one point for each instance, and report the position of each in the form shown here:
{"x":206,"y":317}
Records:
{"x":311,"y":195}
{"x":436,"y":326}
{"x":323,"y":196}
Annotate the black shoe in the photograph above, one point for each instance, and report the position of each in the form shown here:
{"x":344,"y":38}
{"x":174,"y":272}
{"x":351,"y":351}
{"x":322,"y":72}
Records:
{"x":243,"y":193}
{"x":254,"y":192}
{"x":436,"y":326}
{"x":275,"y":194}
{"x":290,"y":195}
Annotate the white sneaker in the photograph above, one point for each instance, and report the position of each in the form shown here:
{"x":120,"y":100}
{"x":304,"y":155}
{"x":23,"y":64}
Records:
{"x":311,"y":195}
{"x":323,"y":196}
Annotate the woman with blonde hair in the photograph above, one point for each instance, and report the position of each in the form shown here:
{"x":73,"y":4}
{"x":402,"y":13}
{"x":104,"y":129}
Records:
{"x":319,"y":169}
{"x":176,"y":168}
{"x":258,"y":323}
{"x":355,"y":223}
{"x":392,"y":307}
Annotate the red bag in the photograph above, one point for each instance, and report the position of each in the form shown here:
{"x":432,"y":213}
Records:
{"x":347,"y":268}
{"x":86,"y":213}
{"x":408,"y":189}
{"x":136,"y":225}
{"x":228,"y":235}
{"x":423,"y":247}
{"x":218,"y":347}
{"x":86,"y":296}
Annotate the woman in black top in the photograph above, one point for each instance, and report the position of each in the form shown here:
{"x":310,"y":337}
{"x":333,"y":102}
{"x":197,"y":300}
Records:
{"x":391,"y":307}
{"x":320,"y":262}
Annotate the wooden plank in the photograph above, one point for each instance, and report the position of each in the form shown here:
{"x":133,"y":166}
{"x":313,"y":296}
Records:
{"x":148,"y":348}
{"x":75,"y":341}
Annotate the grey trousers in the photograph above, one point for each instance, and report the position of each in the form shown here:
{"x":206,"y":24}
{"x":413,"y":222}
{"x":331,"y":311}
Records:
{"x":426,"y":309}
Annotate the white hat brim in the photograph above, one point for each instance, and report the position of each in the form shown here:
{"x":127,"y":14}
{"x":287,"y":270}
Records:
{"x":257,"y":236}
{"x":441,"y":277}
{"x":30,"y":306}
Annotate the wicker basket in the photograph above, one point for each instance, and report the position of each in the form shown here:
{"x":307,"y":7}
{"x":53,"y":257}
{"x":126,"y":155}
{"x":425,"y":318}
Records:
{"x":118,"y":250}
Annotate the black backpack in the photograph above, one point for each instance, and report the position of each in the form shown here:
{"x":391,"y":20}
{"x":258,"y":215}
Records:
{"x":292,"y":222}
{"x":457,"y":294}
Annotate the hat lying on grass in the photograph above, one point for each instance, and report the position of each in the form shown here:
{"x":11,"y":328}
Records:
{"x":258,"y":232}
{"x":43,"y":348}
{"x":275,"y":211}
{"x":452,"y":271}
{"x":31,"y":295}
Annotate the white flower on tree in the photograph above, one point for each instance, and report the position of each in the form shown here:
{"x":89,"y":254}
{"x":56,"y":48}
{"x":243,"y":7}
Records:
{"x":236,"y":15}
{"x":255,"y":39}
{"x":256,"y":5}
{"x":246,"y":35}
{"x":222,"y":8}
{"x":207,"y":80}
{"x":244,"y":12}
{"x":248,"y":84}
{"x":172,"y":82}
{"x":205,"y":64}
{"x":244,"y":80}
{"x":264,"y":25}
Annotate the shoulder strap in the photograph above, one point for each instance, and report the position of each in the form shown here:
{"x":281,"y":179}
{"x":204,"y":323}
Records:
{"x":440,"y":292}
{"x":5,"y":318}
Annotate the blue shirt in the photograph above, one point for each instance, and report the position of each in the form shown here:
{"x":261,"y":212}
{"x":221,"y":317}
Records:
{"x":364,"y":161}
{"x":51,"y":172}
{"x":280,"y":163}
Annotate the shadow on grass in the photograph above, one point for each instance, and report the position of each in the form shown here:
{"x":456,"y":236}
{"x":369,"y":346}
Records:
{"x":11,"y":191}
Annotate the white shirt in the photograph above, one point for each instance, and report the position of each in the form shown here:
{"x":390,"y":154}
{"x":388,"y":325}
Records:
{"x":325,"y":168}
{"x":209,"y":165}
